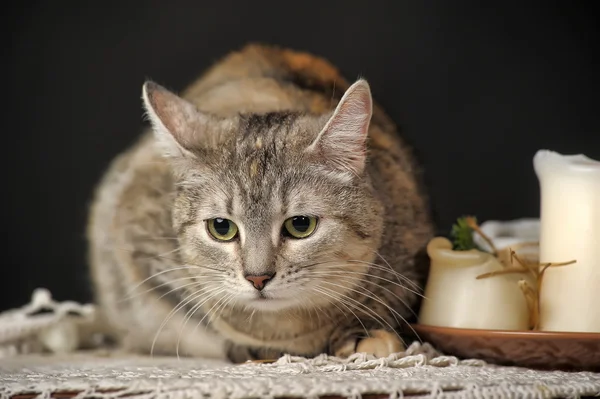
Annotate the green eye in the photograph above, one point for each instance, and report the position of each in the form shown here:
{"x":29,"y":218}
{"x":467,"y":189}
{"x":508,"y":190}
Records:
{"x":300,"y":226}
{"x":222,"y":229}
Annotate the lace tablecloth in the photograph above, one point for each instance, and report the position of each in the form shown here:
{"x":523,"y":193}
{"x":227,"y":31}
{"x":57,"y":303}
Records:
{"x":25,"y":369}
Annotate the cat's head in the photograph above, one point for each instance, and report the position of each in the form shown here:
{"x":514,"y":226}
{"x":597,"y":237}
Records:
{"x":276,"y":210}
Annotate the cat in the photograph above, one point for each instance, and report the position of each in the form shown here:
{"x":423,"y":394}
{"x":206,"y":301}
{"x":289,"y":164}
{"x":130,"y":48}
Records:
{"x":270,"y":209}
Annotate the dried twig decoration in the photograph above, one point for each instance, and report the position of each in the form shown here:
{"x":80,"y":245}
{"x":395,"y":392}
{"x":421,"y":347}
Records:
{"x":535,"y":269}
{"x":472,"y":223}
{"x":532,"y":294}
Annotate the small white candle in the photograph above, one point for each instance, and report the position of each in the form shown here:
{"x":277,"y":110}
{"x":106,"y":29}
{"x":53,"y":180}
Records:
{"x":509,"y":233}
{"x":570,"y":230}
{"x":454,"y":297}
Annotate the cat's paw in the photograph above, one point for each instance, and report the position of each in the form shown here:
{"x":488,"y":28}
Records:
{"x":381,"y":343}
{"x":346,"y":348}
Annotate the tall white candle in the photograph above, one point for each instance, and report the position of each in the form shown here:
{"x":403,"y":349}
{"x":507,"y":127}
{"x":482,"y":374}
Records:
{"x":570,"y":230}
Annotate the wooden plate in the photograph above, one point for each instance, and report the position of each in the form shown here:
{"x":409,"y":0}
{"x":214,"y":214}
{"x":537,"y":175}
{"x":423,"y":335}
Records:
{"x":534,"y":349}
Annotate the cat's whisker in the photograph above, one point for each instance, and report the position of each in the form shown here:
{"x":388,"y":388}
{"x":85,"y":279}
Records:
{"x":174,"y":260}
{"x":132,"y":290}
{"x":370,"y":312}
{"x":198,"y":279}
{"x":173,"y":311}
{"x":377,"y":267}
{"x":190,"y":264}
{"x":195,"y":284}
{"x":211,"y":294}
{"x":348,"y":305}
{"x":414,"y":285}
{"x":311,"y":263}
{"x":385,"y":269}
{"x":147,"y":255}
{"x":158,"y":238}
{"x":130,"y":297}
{"x":219,"y":305}
{"x":172,"y":251}
{"x":219,"y":311}
{"x":159,"y":255}
{"x":317,"y":307}
{"x":337,"y":260}
{"x":316,"y":313}
{"x":342,"y":272}
{"x":182,"y":303}
{"x":235,"y":302}
{"x":251,"y":315}
{"x":348,"y":279}
{"x":335,"y":299}
{"x":190,"y":314}
{"x":342,"y":268}
{"x":212,"y":307}
{"x":231,"y":303}
{"x":376,"y":298}
{"x":308,"y":309}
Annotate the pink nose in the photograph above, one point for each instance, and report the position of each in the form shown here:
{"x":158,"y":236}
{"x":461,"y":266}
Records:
{"x":259,"y":282}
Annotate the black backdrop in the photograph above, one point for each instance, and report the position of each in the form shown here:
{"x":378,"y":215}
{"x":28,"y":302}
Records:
{"x":477,"y":90}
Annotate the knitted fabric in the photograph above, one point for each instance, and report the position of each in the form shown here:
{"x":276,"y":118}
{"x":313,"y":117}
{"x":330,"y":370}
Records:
{"x":420,"y":371}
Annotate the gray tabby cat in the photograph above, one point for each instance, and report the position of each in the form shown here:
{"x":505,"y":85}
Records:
{"x":261,"y":215}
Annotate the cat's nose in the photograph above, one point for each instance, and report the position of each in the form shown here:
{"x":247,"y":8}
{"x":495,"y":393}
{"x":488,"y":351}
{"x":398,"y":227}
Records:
{"x":259,"y":282}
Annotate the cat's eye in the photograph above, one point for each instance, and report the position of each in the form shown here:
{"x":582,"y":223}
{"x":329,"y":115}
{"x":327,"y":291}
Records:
{"x":299,"y":226}
{"x":222,"y":229}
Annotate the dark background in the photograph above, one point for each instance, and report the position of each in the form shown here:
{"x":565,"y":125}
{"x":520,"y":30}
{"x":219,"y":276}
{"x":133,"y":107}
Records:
{"x":476,"y":90}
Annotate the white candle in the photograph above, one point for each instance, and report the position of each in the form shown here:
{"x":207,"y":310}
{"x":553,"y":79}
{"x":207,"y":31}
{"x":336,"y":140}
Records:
{"x":454,"y":297}
{"x":519,"y":235}
{"x":570,"y":230}
{"x":509,"y":233}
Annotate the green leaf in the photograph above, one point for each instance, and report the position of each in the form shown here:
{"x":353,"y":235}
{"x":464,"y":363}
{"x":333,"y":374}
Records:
{"x":462,"y":235}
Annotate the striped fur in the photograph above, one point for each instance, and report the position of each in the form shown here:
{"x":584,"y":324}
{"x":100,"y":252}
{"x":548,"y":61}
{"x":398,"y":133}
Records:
{"x":255,"y":139}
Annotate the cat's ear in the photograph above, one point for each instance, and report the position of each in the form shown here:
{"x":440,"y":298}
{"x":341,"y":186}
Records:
{"x":342,"y":142}
{"x":175,"y":121}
